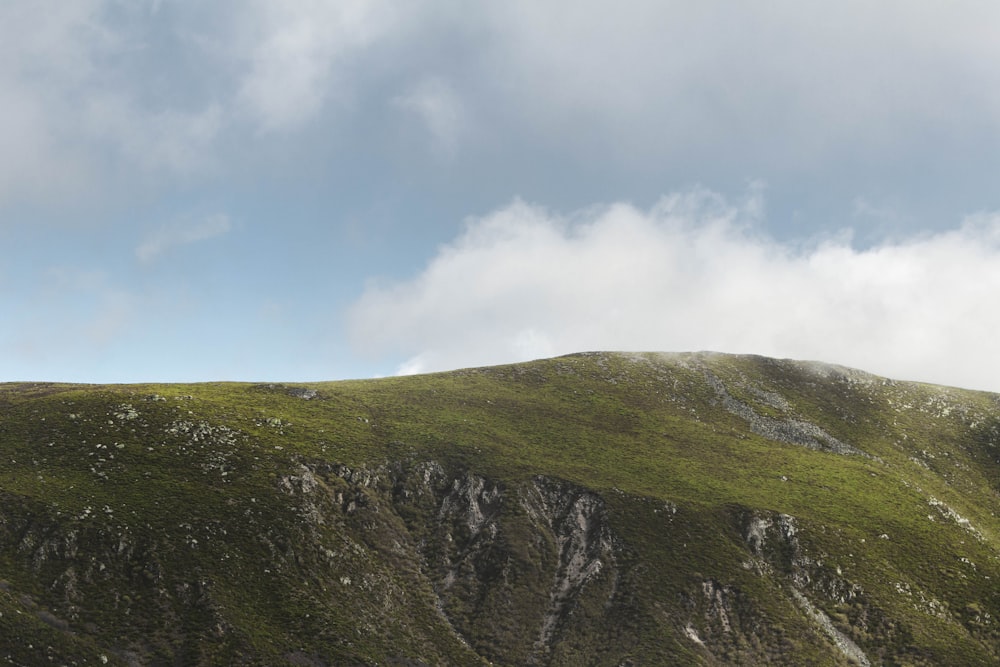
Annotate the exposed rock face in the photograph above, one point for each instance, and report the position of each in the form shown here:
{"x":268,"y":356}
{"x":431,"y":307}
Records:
{"x":773,"y":542}
{"x":584,"y":544}
{"x":843,"y":643}
{"x":494,"y":548}
{"x":474,"y":501}
{"x":516,"y":574}
{"x":511,"y":570}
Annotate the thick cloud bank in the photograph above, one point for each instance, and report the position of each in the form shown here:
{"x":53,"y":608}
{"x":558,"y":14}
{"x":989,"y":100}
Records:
{"x":692,"y":274}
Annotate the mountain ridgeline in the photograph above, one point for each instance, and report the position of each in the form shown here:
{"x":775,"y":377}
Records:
{"x":595,"y":509}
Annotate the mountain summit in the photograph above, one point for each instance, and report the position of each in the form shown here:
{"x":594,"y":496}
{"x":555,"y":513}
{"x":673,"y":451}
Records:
{"x":593,"y":509}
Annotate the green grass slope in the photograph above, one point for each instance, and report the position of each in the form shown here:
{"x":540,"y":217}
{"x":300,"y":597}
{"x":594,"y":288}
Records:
{"x":601,"y":508}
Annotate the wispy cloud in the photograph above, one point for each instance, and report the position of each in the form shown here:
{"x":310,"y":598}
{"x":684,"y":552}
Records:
{"x":297,"y":60}
{"x":182,"y":232}
{"x":175,"y":142}
{"x":440,"y":109}
{"x":693,"y":273}
{"x":72,"y":312}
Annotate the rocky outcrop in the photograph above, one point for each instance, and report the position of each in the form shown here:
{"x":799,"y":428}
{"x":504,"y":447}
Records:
{"x":512,"y":570}
{"x":843,"y":643}
{"x":788,"y":429}
{"x":584,"y":543}
{"x":772,"y":539}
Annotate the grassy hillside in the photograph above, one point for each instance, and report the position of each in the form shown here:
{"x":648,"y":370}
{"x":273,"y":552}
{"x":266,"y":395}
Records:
{"x":593,"y":509}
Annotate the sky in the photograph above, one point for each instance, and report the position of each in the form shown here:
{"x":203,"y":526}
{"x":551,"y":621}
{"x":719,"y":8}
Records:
{"x":313,"y":190}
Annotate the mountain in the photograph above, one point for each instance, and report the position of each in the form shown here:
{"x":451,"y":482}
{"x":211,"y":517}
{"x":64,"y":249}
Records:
{"x":594,"y":509}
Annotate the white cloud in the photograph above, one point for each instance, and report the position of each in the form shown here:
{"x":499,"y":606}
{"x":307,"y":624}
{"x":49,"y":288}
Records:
{"x":182,"y":232}
{"x":692,"y":274}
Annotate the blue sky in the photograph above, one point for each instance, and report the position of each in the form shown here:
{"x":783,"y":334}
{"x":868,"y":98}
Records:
{"x":308,"y":190}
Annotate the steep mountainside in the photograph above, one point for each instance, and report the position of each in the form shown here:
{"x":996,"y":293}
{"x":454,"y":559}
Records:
{"x":596,"y":509}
